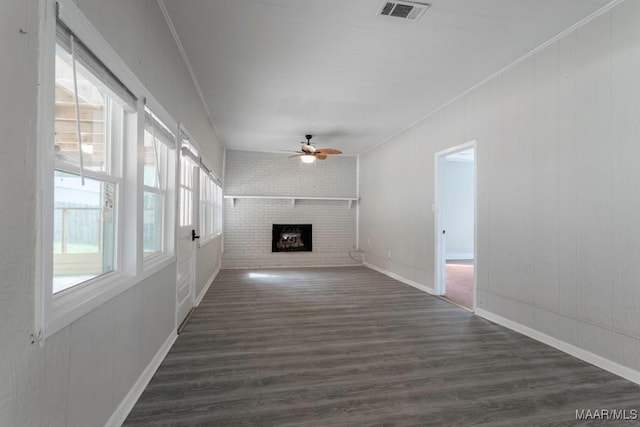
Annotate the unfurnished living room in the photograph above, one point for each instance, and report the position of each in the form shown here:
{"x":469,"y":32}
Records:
{"x":320,"y":212}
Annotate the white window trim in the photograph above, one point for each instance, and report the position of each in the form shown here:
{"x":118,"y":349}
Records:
{"x":215,"y":205}
{"x":220,"y":209}
{"x":55,"y":312}
{"x":193,"y":189}
{"x":199,"y":162}
{"x":169,"y":193}
{"x":163,"y":195}
{"x":203,"y":206}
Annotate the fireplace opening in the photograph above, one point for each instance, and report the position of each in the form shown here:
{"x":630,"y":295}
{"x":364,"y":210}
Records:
{"x":291,"y":238}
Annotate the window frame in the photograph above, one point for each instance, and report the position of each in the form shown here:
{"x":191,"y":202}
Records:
{"x":117,"y":118}
{"x":167,"y":194}
{"x":211,"y":207}
{"x":189,"y":165}
{"x":55,"y":312}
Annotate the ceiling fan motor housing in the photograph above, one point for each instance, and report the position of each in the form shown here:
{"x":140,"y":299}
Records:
{"x":308,"y":148}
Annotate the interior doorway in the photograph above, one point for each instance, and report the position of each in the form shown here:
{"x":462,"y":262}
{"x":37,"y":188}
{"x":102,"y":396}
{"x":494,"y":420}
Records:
{"x":456,"y":224}
{"x":186,"y":259}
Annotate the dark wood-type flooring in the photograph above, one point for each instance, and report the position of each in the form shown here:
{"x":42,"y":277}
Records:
{"x":351,"y":347}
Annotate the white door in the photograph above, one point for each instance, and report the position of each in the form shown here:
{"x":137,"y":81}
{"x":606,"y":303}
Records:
{"x":186,"y":236}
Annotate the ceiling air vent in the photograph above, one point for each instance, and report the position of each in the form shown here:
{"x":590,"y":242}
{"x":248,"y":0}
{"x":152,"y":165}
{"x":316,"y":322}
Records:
{"x":404,"y":9}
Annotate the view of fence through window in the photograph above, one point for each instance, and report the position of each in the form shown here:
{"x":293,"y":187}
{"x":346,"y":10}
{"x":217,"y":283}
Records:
{"x":84,"y":212}
{"x":83,"y":227}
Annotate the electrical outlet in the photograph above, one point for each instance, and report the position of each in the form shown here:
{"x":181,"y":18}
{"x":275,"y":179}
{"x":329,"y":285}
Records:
{"x":368,"y":240}
{"x":389,"y":254}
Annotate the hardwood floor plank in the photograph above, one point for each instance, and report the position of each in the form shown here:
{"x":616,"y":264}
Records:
{"x":349,"y":346}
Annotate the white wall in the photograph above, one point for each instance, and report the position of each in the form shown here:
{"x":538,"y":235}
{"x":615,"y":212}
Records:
{"x":248,"y":225}
{"x":557,"y":155}
{"x":81,"y":374}
{"x":457,"y":209}
{"x":208,"y":263}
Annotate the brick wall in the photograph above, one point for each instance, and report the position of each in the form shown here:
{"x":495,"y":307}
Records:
{"x":248,"y":225}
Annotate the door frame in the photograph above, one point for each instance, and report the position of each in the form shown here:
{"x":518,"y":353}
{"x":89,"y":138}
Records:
{"x":440,"y":259}
{"x":195,"y":211}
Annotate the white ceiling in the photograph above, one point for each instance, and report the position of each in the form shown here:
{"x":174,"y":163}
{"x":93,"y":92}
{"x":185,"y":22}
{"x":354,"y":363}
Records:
{"x":271,"y":71}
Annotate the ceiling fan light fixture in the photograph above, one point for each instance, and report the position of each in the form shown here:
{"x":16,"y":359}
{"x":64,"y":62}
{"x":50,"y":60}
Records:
{"x":308,"y":158}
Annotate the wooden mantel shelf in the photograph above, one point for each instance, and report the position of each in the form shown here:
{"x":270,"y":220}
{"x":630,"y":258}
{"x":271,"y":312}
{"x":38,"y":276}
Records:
{"x":293,"y":199}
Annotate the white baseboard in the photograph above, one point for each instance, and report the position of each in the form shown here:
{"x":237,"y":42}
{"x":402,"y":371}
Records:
{"x":127,"y":404}
{"x":206,"y":287}
{"x":587,"y":356}
{"x":406,"y":281}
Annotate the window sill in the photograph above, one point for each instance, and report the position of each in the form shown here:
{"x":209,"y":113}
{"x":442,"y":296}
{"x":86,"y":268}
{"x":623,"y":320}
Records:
{"x":75,"y":303}
{"x":72,"y":305}
{"x":153,"y":264}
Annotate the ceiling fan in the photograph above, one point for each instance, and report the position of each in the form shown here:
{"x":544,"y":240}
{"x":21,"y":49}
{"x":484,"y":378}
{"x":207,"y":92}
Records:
{"x":309,"y":153}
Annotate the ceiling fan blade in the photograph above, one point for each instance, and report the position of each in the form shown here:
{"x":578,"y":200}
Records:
{"x":320,"y":156}
{"x":328,"y":151}
{"x":297,"y":155}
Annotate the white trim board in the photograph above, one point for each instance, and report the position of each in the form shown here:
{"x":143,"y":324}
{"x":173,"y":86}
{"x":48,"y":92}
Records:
{"x":406,"y":281}
{"x":207,"y":286}
{"x":598,"y":361}
{"x":440,"y":257}
{"x":129,"y":401}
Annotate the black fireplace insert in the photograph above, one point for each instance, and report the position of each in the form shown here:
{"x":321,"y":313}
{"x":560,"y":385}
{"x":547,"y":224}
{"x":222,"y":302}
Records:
{"x":292,"y":238}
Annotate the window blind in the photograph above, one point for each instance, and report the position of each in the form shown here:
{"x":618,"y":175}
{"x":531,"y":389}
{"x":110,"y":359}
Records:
{"x":158,"y":129}
{"x":186,"y":152}
{"x":88,"y":60}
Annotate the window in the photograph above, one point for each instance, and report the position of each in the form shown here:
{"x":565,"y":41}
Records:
{"x":108,"y":174}
{"x":158,"y":140}
{"x":84,"y":229}
{"x":187,"y":167}
{"x":210,"y":206}
{"x":90,"y":110}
